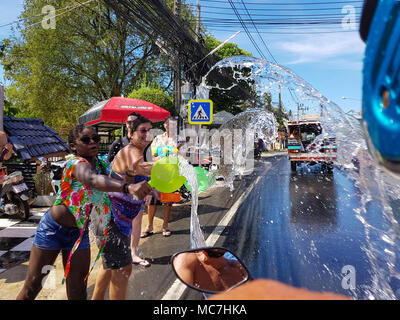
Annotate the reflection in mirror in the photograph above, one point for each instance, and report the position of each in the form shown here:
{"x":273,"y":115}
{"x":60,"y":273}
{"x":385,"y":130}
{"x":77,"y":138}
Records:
{"x":209,"y":269}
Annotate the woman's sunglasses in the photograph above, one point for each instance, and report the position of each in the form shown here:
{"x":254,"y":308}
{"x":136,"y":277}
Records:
{"x":143,"y":130}
{"x":86,"y":140}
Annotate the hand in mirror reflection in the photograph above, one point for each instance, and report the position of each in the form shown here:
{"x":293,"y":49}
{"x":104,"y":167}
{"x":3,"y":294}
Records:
{"x":212,"y":269}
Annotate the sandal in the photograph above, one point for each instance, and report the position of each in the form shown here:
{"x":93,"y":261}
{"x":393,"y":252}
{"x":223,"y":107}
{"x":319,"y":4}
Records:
{"x":142,"y":263}
{"x":145,"y":234}
{"x":166,"y":232}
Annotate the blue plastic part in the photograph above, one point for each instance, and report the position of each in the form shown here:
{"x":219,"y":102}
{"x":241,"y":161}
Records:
{"x":382,"y":73}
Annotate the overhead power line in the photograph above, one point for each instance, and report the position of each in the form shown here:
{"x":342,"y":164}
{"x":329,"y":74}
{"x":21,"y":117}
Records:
{"x":280,"y":18}
{"x":246,"y":30}
{"x":286,"y":9}
{"x":261,"y":38}
{"x":292,"y":95}
{"x":290,"y":3}
{"x":322,"y":15}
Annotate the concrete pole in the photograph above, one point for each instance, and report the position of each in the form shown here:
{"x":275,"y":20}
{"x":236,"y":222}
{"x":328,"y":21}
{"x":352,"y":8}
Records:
{"x":1,"y":107}
{"x":177,"y":72}
{"x":198,"y":21}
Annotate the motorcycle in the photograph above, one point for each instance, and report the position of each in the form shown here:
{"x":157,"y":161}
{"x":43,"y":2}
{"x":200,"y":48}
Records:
{"x":56,"y":171}
{"x":15,"y":196}
{"x":224,"y":270}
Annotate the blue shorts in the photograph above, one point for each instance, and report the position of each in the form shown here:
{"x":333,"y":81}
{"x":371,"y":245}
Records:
{"x":52,"y":236}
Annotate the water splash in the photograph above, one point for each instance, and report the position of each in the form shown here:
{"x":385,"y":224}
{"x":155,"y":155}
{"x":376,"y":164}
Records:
{"x":298,"y":98}
{"x":196,"y":234}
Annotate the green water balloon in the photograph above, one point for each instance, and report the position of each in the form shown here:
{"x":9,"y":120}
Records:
{"x":165,"y":175}
{"x":203,"y":180}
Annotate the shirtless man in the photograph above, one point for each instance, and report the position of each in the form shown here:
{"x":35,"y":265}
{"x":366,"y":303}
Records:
{"x":209,"y":270}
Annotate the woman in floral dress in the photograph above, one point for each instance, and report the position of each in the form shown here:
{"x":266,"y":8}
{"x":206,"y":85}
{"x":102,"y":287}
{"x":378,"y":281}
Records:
{"x":64,"y":227}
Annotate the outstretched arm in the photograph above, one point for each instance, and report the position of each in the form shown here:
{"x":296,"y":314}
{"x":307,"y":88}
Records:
{"x":84,"y":173}
{"x":265,"y":289}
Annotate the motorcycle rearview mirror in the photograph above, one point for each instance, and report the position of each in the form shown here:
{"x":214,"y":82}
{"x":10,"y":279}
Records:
{"x":210,"y":269}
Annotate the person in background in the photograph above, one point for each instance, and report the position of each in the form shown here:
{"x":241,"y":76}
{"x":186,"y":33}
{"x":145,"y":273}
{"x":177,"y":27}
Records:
{"x":260,"y":145}
{"x":137,"y":221}
{"x":123,"y":141}
{"x":6,"y":148}
{"x":163,"y":145}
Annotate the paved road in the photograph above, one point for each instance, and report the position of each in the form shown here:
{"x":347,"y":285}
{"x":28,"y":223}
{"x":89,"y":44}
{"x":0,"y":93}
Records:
{"x":304,"y":228}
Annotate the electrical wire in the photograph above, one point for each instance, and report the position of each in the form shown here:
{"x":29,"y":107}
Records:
{"x":285,"y":9}
{"x":246,"y":30}
{"x":281,"y":16}
{"x":266,"y":47}
{"x":289,"y":4}
{"x":255,"y":27}
{"x":281,"y":22}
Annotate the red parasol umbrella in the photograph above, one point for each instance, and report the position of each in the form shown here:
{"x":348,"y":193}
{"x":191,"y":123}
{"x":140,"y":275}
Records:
{"x":111,"y":113}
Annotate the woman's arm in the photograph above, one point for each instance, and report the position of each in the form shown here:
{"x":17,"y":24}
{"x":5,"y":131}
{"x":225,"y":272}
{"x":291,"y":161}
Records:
{"x":84,"y":173}
{"x":129,"y":161}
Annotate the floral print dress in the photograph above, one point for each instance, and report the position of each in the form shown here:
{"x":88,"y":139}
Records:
{"x":84,"y":203}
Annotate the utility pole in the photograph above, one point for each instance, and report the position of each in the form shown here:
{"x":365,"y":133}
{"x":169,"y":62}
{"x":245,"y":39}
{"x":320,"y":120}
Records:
{"x":198,"y":22}
{"x":1,"y":107}
{"x":280,"y":102}
{"x":177,"y":67}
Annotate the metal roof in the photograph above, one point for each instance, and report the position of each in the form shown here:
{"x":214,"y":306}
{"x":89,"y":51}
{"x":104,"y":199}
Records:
{"x":32,"y":139}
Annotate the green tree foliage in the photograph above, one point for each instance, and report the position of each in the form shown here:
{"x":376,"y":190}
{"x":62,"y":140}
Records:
{"x":226,"y":51}
{"x":90,"y":56}
{"x":154,"y":95}
{"x":279,"y":112}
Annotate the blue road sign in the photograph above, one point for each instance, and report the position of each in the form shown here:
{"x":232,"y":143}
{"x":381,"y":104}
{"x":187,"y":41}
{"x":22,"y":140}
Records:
{"x":200,"y":112}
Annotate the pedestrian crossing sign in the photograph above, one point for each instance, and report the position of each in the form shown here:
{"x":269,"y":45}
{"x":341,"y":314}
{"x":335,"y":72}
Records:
{"x":200,"y":112}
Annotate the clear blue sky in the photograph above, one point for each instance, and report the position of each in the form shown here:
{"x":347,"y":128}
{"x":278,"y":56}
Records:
{"x":325,"y":56}
{"x":9,"y":12}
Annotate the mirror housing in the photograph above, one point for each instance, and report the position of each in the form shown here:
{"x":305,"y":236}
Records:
{"x":209,"y":269}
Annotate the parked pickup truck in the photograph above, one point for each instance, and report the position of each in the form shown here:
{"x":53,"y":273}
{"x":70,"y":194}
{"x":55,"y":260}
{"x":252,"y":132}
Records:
{"x":301,"y":146}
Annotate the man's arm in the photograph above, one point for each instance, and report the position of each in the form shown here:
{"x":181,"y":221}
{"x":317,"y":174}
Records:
{"x":265,"y":289}
{"x":185,"y":264}
{"x":115,"y":147}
